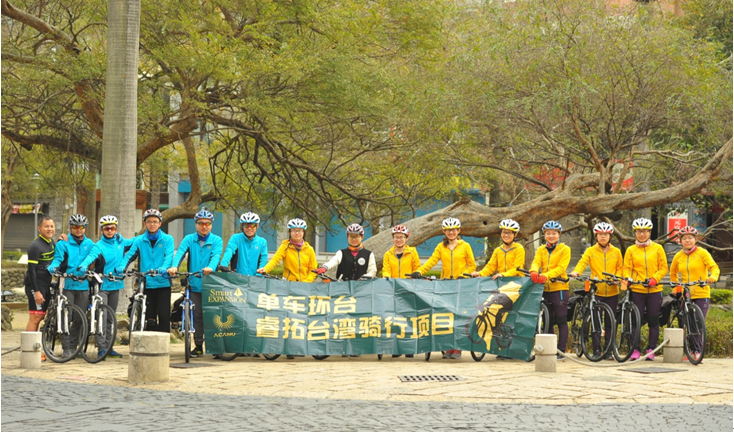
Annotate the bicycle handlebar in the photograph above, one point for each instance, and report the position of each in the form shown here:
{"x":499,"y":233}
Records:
{"x":688,"y":284}
{"x":71,"y":277}
{"x":552,"y":280}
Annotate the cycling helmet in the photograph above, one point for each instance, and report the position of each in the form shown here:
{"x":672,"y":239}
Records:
{"x":451,"y":223}
{"x":152,"y":212}
{"x":552,"y":225}
{"x":204,"y":215}
{"x":249,"y":218}
{"x":401,"y":229}
{"x":78,"y":220}
{"x":603,"y":227}
{"x":642,"y":224}
{"x":297,"y":223}
{"x":355,"y":228}
{"x":107,"y":220}
{"x":687,"y":230}
{"x":510,"y":224}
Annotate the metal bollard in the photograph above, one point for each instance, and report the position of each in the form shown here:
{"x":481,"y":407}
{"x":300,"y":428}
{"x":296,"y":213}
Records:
{"x":30,"y":350}
{"x":673,"y":351}
{"x":545,"y":352}
{"x":149,"y":357}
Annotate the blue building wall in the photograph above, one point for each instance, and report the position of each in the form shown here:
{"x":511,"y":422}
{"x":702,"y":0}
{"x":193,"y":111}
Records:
{"x":338,"y":241}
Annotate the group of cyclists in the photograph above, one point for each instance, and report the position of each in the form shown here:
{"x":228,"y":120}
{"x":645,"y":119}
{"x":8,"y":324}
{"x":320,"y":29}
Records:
{"x":645,"y":261}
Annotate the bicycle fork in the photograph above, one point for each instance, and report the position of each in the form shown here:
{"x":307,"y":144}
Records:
{"x":191,"y":316}
{"x":62,"y":320}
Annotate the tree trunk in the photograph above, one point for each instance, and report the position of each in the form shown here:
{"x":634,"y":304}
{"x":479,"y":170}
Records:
{"x":482,"y":221}
{"x":7,"y":203}
{"x":119,"y":142}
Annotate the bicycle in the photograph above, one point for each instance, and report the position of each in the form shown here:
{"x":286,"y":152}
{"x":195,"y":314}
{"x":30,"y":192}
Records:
{"x":138,"y":305}
{"x":63,"y":321}
{"x":627,"y":335}
{"x":187,"y":315}
{"x":544,"y":319}
{"x":102,"y":322}
{"x":595,"y":318}
{"x":690,"y":318}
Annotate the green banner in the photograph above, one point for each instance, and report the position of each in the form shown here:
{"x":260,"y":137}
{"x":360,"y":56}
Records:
{"x":382,"y":316}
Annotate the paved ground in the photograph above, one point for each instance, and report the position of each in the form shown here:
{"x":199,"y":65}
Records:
{"x":365,"y":394}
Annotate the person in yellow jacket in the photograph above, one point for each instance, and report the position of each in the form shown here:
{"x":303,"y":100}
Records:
{"x":603,"y":257}
{"x":401,"y":259}
{"x":506,"y":258}
{"x":693,"y":264}
{"x":646,"y":261}
{"x":297,"y":255}
{"x":456,"y":258}
{"x":551,"y":261}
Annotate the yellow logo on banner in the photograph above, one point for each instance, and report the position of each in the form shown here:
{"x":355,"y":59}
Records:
{"x":223,"y":325}
{"x":238,"y":292}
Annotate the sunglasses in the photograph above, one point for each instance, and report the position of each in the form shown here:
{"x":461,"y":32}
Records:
{"x":78,"y":227}
{"x":204,"y":223}
{"x":109,"y":228}
{"x":250,"y":226}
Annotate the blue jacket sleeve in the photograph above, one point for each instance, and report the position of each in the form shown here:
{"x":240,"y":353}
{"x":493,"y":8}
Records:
{"x":216,"y":253}
{"x":125,"y":262}
{"x":181,"y":252}
{"x":59,"y":255}
{"x":263,"y":259}
{"x":229,"y":251}
{"x":96,"y":252}
{"x":169,"y":253}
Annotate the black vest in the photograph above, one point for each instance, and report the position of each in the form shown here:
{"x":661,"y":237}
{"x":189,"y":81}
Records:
{"x":351,"y":267}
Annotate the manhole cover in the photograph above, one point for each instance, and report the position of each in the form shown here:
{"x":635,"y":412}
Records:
{"x":190,"y":365}
{"x":601,"y":378}
{"x":431,"y":378}
{"x":651,"y":370}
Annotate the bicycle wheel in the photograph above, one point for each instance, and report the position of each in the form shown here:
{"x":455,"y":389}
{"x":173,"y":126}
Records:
{"x":136,"y":320}
{"x":477,"y":356}
{"x":575,"y":331}
{"x":187,"y":329}
{"x":50,"y":338}
{"x":594,"y":343}
{"x":228,"y":356}
{"x":694,"y":335}
{"x":628,"y":333}
{"x":503,"y":336}
{"x":476,"y":328}
{"x":271,"y":356}
{"x":100,"y":340}
{"x":543,"y":320}
{"x":63,"y":347}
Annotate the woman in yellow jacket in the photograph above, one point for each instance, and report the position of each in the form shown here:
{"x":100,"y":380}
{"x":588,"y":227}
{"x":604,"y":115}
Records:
{"x":506,"y":258}
{"x":693,"y":264}
{"x":456,"y":258}
{"x":297,"y":255}
{"x":646,"y":261}
{"x":603,"y":257}
{"x":401,"y":259}
{"x":551,"y":261}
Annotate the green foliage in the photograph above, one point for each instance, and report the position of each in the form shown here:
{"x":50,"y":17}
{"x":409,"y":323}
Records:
{"x":719,"y":333}
{"x":721,"y":297}
{"x":11,"y":255}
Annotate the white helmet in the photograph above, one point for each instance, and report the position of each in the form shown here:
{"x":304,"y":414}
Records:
{"x":355,"y":228}
{"x":510,"y":224}
{"x":401,"y":229}
{"x":297,"y":223}
{"x":107,"y":220}
{"x":642,"y":224}
{"x":249,"y":218}
{"x":78,"y":220}
{"x":451,"y":223}
{"x":603,"y":227}
{"x":152,"y":212}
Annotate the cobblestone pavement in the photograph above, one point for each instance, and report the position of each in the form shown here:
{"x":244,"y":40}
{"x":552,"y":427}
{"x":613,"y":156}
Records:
{"x":48,"y":405}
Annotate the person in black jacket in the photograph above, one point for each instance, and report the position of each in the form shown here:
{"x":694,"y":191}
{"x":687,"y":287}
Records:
{"x":353,"y":262}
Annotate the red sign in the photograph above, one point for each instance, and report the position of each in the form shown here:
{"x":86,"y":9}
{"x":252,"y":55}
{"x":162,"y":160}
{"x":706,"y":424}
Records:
{"x":676,"y":223}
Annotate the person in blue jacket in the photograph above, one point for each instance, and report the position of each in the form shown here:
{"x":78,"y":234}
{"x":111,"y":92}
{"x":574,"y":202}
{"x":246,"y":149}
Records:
{"x":69,"y":255}
{"x":251,"y":249}
{"x":204,"y":250}
{"x":154,"y":248}
{"x":106,"y":256}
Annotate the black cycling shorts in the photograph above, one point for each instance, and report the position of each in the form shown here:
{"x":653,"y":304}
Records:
{"x":34,"y":308}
